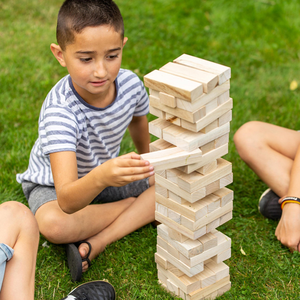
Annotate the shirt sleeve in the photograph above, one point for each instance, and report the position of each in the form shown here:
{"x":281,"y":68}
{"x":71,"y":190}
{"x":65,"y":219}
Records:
{"x":58,"y":130}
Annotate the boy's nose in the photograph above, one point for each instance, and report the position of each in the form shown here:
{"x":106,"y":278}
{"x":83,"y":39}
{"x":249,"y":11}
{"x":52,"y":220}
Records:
{"x":100,"y":70}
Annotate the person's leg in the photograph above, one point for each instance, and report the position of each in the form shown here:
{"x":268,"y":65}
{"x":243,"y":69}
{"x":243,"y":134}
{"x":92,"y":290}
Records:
{"x":117,"y":219}
{"x":19,"y":231}
{"x":140,"y":213}
{"x":269,"y":151}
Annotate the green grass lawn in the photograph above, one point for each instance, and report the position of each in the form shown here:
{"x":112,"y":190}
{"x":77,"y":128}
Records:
{"x":258,"y":39}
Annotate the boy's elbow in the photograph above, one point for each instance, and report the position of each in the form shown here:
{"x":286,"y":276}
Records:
{"x":66,"y":208}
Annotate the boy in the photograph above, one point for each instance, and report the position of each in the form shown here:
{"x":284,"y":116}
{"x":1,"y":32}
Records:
{"x":19,"y":239}
{"x":74,"y":161}
{"x":273,"y":153}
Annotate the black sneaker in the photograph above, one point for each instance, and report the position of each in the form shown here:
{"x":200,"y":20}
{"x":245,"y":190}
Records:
{"x":93,"y":290}
{"x":268,"y":205}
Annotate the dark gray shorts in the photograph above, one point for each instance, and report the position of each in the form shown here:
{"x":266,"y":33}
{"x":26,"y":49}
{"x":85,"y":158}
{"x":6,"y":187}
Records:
{"x":37,"y":195}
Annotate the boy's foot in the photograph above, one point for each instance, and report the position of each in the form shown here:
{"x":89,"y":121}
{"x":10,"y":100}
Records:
{"x":268,"y":205}
{"x":93,"y":290}
{"x":75,"y":260}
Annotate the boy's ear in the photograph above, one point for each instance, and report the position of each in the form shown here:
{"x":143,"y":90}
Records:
{"x":58,"y":53}
{"x":125,"y":41}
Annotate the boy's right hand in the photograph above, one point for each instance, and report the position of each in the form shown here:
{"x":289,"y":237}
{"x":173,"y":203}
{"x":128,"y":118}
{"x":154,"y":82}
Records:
{"x":124,"y":169}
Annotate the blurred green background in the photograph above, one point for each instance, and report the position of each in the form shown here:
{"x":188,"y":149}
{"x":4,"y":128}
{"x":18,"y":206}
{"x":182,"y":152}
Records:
{"x":258,"y":40}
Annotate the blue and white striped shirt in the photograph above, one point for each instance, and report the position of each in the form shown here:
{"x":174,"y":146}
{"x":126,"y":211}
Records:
{"x":68,"y":123}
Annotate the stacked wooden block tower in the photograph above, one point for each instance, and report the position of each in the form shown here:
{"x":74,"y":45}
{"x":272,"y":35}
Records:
{"x":190,"y":97}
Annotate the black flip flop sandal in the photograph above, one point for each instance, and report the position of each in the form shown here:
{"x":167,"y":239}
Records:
{"x":75,"y":260}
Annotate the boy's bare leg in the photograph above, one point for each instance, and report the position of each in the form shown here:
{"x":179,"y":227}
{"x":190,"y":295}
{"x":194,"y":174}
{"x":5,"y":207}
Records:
{"x":20,"y":232}
{"x":100,"y":224}
{"x":269,"y":151}
{"x":138,"y":214}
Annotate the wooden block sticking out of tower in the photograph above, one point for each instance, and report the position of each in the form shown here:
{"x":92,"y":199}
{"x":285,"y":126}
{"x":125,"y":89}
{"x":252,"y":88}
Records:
{"x":172,"y":158}
{"x":173,"y":85}
{"x":208,"y":80}
{"x":223,"y":72}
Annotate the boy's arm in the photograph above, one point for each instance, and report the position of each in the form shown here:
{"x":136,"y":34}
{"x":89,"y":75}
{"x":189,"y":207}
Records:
{"x":288,"y":229}
{"x":138,"y":129}
{"x":74,"y":194}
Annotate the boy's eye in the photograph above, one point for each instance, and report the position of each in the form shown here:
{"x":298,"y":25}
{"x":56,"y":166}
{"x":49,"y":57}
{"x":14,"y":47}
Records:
{"x":85,"y":59}
{"x":112,"y":56}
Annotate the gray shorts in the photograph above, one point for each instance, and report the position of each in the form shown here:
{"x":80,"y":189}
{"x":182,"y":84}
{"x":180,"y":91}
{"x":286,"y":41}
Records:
{"x":37,"y":195}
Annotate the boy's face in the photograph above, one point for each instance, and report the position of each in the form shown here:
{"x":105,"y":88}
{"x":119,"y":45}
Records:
{"x":93,"y":61}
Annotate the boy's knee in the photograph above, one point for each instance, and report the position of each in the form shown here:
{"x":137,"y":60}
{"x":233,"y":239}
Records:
{"x":21,"y":216}
{"x":245,"y":136}
{"x":54,"y":228}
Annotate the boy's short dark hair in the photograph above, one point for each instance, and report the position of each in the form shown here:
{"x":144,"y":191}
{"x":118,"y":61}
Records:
{"x":75,"y":15}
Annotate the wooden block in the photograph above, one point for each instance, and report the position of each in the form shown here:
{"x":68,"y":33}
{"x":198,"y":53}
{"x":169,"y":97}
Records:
{"x":173,"y":288}
{"x":188,"y":247}
{"x":227,"y":217}
{"x":223,"y":72}
{"x":208,"y":118}
{"x":184,"y":282}
{"x":189,"y":271}
{"x":179,"y":228}
{"x":225,"y":194}
{"x":207,"y":220}
{"x":208,"y":80}
{"x":222,"y":140}
{"x":190,"y":141}
{"x":154,"y":93}
{"x":161,"y":190}
{"x":226,"y":254}
{"x":161,"y":209}
{"x":208,"y":147}
{"x":206,"y":158}
{"x":161,"y":261}
{"x":210,"y":127}
{"x":173,"y":251}
{"x":212,"y":187}
{"x":207,"y":291}
{"x":193,"y":211}
{"x":177,"y":236}
{"x":172,"y":119}
{"x":163,"y":278}
{"x":162,"y":243}
{"x":227,"y":117}
{"x":173,"y":215}
{"x":190,"y":197}
{"x":205,"y":98}
{"x":206,"y":278}
{"x":176,"y":198}
{"x":211,"y":253}
{"x":157,"y":112}
{"x":213,"y":205}
{"x":178,"y":112}
{"x":208,"y":241}
{"x":208,"y":168}
{"x":173,"y":85}
{"x":156,"y":127}
{"x":221,"y":270}
{"x":160,"y":144}
{"x":212,"y":105}
{"x":168,"y":100}
{"x":212,"y":225}
{"x":171,"y":158}
{"x":226,"y":180}
{"x":195,"y":181}
{"x":223,"y":97}
{"x":162,"y":173}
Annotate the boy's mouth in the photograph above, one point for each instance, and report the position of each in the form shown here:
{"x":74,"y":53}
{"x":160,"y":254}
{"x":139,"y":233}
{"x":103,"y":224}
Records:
{"x":98,"y":83}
